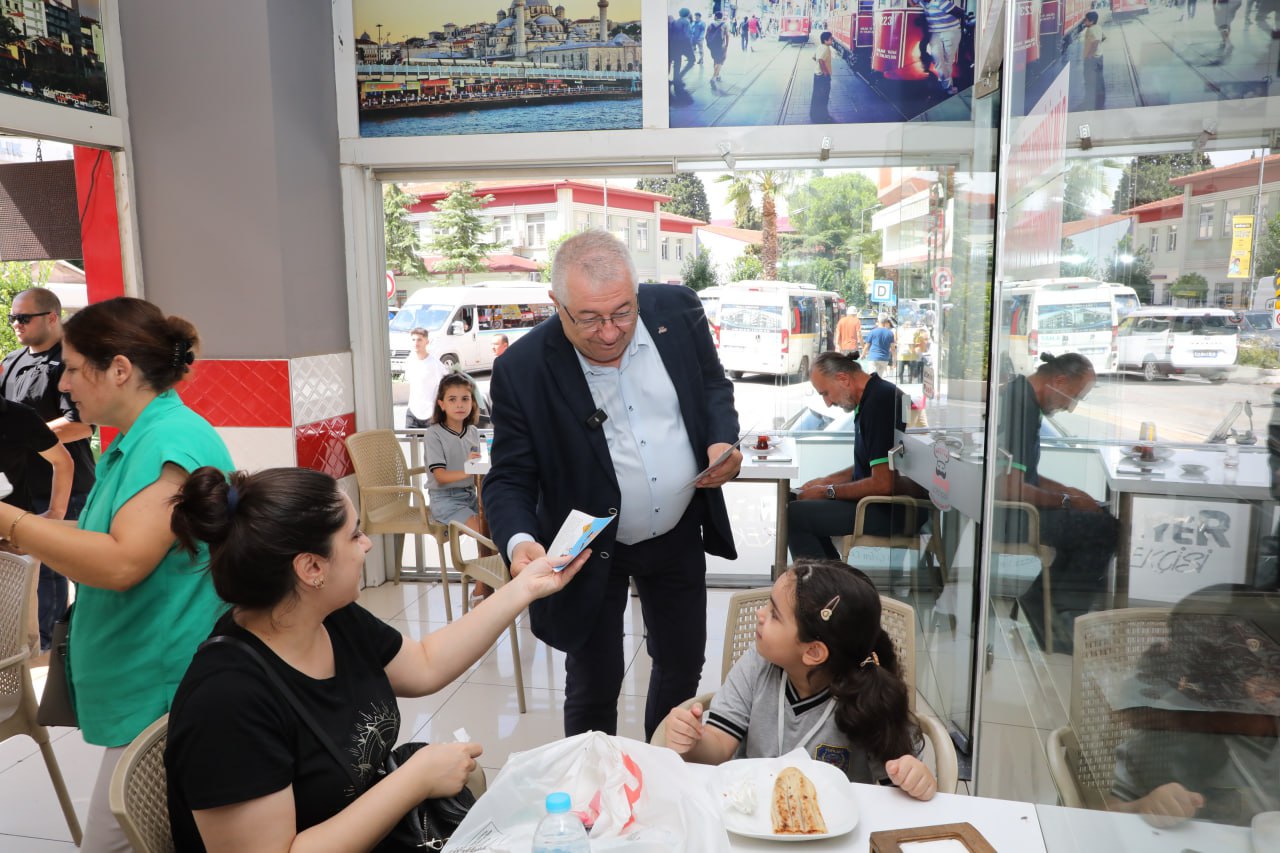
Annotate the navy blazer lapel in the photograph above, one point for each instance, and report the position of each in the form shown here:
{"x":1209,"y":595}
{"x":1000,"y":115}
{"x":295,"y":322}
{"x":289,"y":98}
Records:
{"x":563,"y":365}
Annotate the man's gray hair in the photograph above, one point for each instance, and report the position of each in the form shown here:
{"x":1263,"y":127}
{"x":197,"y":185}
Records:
{"x":833,"y":364}
{"x":599,"y":255}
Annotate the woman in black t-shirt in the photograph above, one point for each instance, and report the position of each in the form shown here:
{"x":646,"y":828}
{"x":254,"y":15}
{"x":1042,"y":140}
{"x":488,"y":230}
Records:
{"x":244,"y":772}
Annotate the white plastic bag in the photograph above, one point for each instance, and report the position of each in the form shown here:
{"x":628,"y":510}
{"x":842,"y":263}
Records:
{"x":639,"y":798}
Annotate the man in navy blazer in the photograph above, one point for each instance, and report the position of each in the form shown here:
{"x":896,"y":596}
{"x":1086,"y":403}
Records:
{"x":613,"y":407}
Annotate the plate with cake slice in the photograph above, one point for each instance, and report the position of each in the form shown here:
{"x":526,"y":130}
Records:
{"x":784,"y":801}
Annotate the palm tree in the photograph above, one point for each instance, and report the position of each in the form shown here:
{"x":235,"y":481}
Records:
{"x":769,"y":183}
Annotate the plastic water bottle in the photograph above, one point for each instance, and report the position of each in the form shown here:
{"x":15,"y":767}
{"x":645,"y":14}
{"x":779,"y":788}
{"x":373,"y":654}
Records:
{"x":560,"y":831}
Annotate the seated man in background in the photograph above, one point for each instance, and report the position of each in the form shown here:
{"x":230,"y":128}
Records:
{"x":1071,"y":521}
{"x":825,"y":507}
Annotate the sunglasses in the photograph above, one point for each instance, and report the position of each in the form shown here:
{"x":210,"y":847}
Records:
{"x":24,"y":319}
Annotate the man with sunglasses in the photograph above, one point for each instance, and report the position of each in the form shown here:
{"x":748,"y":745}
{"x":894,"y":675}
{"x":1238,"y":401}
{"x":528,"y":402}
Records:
{"x":614,"y":407}
{"x":30,"y":376}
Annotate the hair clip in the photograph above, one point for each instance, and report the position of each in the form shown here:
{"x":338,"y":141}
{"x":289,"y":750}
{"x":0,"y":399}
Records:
{"x":829,"y":609}
{"x":233,"y":499}
{"x":871,"y":658}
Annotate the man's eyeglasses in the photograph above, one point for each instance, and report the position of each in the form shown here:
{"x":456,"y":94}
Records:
{"x":595,"y":322}
{"x":24,"y":319}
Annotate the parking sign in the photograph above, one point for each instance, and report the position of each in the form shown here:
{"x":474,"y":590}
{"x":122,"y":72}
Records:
{"x":882,"y":291}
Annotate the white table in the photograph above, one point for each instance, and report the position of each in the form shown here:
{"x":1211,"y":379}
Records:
{"x":1158,"y":563}
{"x":1251,"y":481}
{"x":1087,"y":831}
{"x":757,"y":466}
{"x":1011,"y":827}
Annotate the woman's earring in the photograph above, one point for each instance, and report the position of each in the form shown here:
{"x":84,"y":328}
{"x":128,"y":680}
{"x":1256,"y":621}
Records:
{"x":318,"y":583}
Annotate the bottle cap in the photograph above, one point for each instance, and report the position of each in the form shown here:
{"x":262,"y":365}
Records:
{"x":558,"y":803}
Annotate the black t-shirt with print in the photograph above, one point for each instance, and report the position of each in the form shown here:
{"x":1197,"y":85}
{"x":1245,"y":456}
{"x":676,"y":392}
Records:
{"x":23,"y":435}
{"x":233,"y":737}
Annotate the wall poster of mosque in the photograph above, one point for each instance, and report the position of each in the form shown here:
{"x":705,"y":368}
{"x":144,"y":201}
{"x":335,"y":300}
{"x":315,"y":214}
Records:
{"x":52,"y":50}
{"x":759,"y":63}
{"x":437,"y":67}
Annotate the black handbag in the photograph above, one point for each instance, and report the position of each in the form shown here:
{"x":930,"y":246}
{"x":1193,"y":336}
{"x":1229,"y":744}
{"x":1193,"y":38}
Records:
{"x":428,"y":825}
{"x":56,"y":707}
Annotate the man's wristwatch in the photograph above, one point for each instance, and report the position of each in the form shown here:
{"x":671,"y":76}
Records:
{"x":831,"y":493}
{"x":1066,"y":501}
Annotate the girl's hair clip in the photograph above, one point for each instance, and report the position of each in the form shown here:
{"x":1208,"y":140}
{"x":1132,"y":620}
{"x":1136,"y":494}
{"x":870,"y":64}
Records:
{"x":829,"y":609}
{"x":872,"y":658}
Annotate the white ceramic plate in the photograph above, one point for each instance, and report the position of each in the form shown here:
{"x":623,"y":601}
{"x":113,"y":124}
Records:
{"x":835,"y":798}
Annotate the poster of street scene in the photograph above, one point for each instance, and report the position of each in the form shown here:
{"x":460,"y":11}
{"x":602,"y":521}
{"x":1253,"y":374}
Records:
{"x":52,"y":50}
{"x":436,"y":67}
{"x":1123,"y":54}
{"x":772,"y":62}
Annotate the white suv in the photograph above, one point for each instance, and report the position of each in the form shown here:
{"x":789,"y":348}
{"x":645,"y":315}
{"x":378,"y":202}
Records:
{"x":1165,"y":341}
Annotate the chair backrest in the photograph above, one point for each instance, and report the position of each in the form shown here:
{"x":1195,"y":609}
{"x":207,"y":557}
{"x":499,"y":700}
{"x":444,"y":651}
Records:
{"x":740,"y":625}
{"x":898,"y":620}
{"x":1108,"y":648}
{"x":17,"y":586}
{"x":378,"y":461}
{"x":139,"y":791}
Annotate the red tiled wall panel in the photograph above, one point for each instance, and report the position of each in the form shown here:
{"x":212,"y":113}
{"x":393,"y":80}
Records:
{"x":322,"y":445}
{"x":231,"y":393}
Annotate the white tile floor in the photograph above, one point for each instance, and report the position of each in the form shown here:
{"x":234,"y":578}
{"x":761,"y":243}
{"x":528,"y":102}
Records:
{"x":484,"y":701}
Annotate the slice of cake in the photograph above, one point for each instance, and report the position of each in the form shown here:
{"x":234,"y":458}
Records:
{"x":795,"y":805}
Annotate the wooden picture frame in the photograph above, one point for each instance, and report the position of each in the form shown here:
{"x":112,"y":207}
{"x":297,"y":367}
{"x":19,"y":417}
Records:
{"x":891,"y":840}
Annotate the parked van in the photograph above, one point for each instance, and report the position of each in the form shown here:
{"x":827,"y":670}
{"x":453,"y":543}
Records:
{"x":1061,"y":315}
{"x":463,"y":321}
{"x":775,"y":327}
{"x":1165,"y":341}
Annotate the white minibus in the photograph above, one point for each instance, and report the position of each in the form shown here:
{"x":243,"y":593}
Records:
{"x":775,"y":327}
{"x":1060,"y":315}
{"x":461,"y":322}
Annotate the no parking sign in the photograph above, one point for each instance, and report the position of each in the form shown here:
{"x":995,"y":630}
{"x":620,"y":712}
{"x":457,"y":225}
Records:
{"x":942,"y":281}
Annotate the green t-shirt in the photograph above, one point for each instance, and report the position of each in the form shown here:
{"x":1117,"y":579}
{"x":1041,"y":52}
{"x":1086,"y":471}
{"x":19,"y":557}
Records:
{"x":128,"y":650}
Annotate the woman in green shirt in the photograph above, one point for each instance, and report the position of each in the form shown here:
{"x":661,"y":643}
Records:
{"x":142,"y":605}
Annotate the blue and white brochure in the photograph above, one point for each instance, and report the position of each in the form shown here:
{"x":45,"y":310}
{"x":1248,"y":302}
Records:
{"x":575,"y":534}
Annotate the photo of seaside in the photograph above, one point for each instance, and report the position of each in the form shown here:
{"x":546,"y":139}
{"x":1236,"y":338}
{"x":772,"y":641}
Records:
{"x":438,"y":67}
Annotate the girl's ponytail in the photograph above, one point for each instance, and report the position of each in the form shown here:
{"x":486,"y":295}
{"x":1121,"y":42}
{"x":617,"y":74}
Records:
{"x":873,"y":704}
{"x":838,"y":605}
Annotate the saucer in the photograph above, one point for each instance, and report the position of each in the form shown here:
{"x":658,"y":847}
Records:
{"x":1193,"y":470}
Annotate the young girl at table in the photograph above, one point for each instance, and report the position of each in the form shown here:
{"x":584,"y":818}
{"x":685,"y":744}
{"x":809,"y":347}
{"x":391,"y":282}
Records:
{"x":450,"y":441}
{"x":823,"y":677}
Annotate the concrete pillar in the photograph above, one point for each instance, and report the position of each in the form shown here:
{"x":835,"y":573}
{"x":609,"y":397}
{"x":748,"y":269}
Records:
{"x":240,"y":217}
{"x":604,"y":19}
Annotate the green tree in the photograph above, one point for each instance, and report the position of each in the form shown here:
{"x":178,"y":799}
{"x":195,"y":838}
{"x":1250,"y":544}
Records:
{"x":1147,"y":177}
{"x":1268,"y":260}
{"x":459,"y":228}
{"x":1131,"y":267}
{"x":1191,"y":286}
{"x":747,"y":266}
{"x":15,"y":277}
{"x":698,"y":272}
{"x":1074,"y":263}
{"x":1085,"y":187}
{"x":768,"y":184}
{"x":403,"y":244}
{"x":544,"y":270}
{"x":9,"y":31}
{"x":688,"y":194}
